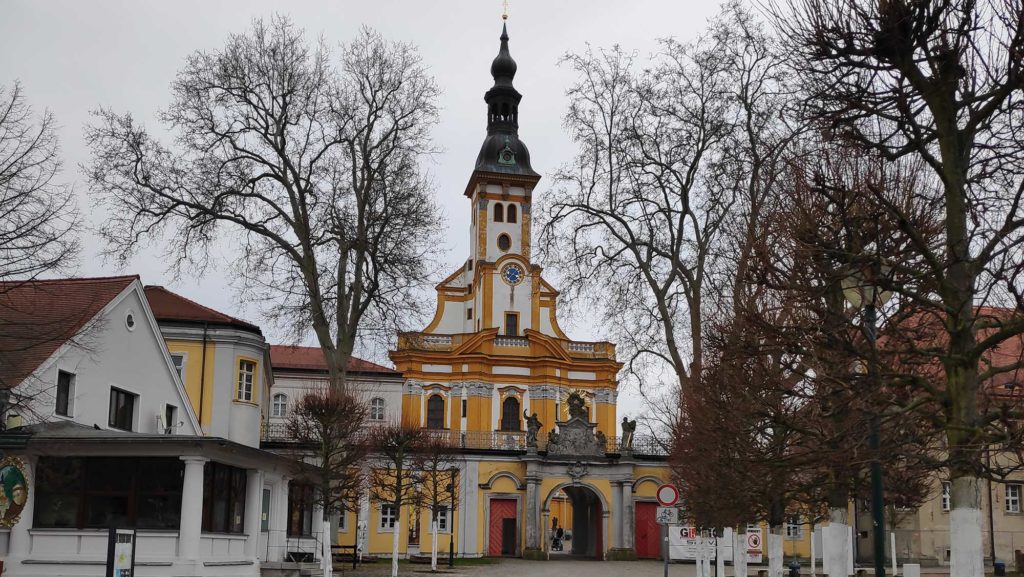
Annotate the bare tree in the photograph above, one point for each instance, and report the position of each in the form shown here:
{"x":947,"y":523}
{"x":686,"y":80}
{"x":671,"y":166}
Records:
{"x":331,"y":422}
{"x":312,"y":168}
{"x":667,"y":154}
{"x":437,"y":465}
{"x":38,"y":237}
{"x":37,"y":232}
{"x":394,"y":473}
{"x":939,"y":81}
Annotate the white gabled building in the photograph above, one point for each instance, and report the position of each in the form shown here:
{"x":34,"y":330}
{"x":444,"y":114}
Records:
{"x":102,"y":434}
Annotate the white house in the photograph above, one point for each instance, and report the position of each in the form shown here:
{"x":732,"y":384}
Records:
{"x":102,"y":434}
{"x":300,"y":369}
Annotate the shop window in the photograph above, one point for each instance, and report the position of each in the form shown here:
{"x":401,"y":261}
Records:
{"x":223,"y":498}
{"x":101,"y":492}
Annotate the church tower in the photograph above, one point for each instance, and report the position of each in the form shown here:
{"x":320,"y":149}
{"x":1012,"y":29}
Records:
{"x":494,"y":348}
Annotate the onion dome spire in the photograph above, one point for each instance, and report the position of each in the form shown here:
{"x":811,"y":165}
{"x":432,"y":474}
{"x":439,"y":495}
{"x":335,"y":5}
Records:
{"x":502,"y":150}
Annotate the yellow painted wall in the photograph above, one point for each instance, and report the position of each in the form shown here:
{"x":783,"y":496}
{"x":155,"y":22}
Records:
{"x":193,"y":376}
{"x":545,"y":409}
{"x":479,"y":418}
{"x":606,"y":418}
{"x":380,"y":542}
{"x":411,"y":410}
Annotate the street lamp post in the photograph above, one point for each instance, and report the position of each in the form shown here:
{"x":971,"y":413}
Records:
{"x":861,"y":290}
{"x":451,"y":519}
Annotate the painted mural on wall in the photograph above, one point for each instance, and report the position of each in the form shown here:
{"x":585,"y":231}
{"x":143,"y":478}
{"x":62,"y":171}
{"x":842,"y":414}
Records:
{"x":13,"y":490}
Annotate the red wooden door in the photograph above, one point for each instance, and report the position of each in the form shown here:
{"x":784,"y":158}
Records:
{"x":648,"y":532}
{"x":501,"y":509}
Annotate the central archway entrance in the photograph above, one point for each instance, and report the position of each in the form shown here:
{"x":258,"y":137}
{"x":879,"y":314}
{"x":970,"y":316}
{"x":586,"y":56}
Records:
{"x":576,"y":530}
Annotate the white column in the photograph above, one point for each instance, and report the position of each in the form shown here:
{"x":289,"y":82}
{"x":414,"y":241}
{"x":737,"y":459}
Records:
{"x":20,"y":544}
{"x":191,"y":527}
{"x":253,"y":507}
{"x":627,"y":517}
{"x":617,"y":514}
{"x":278,"y":521}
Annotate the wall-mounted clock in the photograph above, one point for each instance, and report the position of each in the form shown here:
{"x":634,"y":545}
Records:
{"x":512,"y":273}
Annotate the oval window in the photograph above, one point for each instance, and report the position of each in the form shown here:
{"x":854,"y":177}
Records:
{"x":129,"y":321}
{"x":504,"y":242}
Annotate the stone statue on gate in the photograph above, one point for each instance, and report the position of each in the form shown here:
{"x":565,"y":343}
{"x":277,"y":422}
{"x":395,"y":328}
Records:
{"x":533,"y":426}
{"x":628,"y":430}
{"x":577,"y":406}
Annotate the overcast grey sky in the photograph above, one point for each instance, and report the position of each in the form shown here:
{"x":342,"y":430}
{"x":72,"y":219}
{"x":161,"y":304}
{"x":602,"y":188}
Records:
{"x":75,"y":55}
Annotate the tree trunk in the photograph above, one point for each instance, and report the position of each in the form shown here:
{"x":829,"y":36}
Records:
{"x":739,"y":552}
{"x":394,"y":541}
{"x":966,"y":556}
{"x":775,"y":539}
{"x":835,"y":539}
{"x":433,"y":543}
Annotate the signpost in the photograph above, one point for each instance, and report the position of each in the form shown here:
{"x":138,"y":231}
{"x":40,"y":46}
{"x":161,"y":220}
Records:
{"x":667,"y":515}
{"x":121,"y":553}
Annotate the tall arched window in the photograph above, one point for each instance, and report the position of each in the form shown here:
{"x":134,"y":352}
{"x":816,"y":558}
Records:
{"x":510,"y":415}
{"x":510,"y":213}
{"x":499,"y":212}
{"x":435,"y":412}
{"x":279,"y":406}
{"x":376,"y":409}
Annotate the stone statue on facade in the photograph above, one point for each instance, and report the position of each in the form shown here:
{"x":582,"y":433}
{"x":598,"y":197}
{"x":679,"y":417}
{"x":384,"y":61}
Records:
{"x":577,"y":406}
{"x":533,"y":426}
{"x":628,"y":431}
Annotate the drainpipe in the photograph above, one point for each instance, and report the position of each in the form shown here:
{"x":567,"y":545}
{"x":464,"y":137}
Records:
{"x":202,"y":376}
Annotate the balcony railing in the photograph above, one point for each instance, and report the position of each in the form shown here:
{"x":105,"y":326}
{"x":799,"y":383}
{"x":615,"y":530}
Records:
{"x":505,"y":441}
{"x":431,"y":342}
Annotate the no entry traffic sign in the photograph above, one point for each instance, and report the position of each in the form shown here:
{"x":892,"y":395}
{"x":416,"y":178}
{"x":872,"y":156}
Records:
{"x":668,"y":495}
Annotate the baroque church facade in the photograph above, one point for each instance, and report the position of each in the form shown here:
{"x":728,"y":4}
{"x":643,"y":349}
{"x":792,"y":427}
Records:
{"x":532,"y":411}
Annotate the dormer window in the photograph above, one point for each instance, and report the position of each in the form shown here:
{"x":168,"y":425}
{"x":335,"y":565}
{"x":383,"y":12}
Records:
{"x":510,"y":214}
{"x":499,"y":212}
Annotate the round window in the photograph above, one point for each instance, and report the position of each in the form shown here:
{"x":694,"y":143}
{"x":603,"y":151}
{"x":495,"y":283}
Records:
{"x":129,"y":321}
{"x":504,"y":242}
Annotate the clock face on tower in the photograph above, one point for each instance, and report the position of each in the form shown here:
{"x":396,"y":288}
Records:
{"x":512,"y":274}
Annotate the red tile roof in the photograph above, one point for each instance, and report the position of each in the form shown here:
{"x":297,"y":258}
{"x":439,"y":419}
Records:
{"x":38,"y":316}
{"x":172,"y":307}
{"x":312,"y":359}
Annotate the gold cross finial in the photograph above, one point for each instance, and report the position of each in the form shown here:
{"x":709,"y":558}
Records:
{"x":504,"y":11}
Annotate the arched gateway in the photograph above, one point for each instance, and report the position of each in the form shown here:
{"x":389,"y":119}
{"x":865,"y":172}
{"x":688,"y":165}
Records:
{"x":531,"y":412}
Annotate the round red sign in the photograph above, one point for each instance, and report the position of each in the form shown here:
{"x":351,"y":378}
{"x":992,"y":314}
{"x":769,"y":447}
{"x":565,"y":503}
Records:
{"x":668,"y":495}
